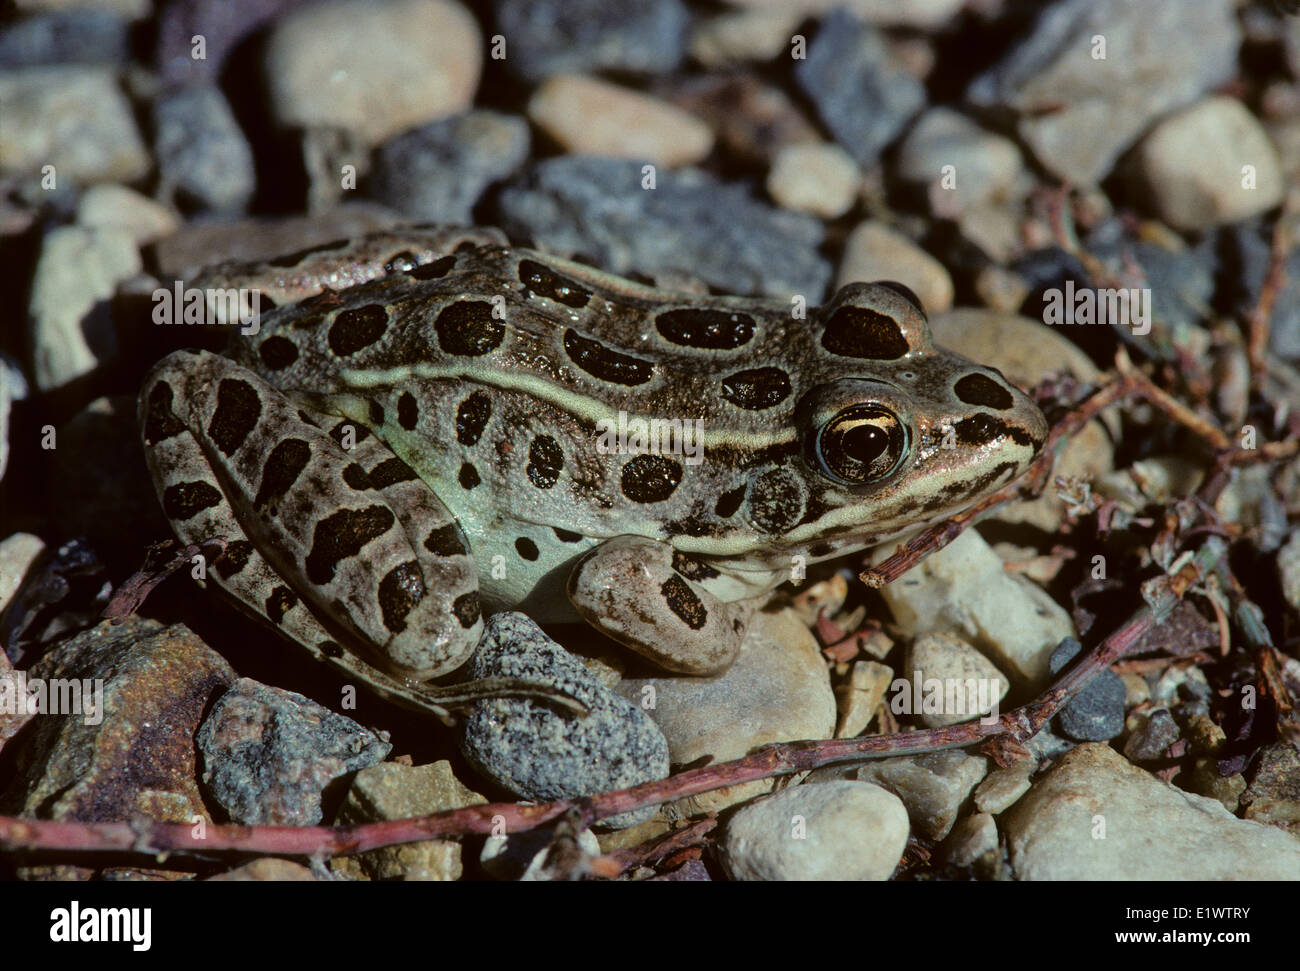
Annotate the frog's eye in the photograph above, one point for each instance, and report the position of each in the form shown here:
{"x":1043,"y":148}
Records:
{"x":861,"y":444}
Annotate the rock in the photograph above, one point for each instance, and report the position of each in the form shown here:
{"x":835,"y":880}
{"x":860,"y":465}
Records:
{"x":970,"y":839}
{"x":985,"y":166}
{"x":1249,"y":500}
{"x":13,"y":387}
{"x":1288,"y":568}
{"x":130,"y":750}
{"x":862,"y":91}
{"x":64,"y":37}
{"x":1150,"y":741}
{"x":437,"y":173}
{"x":204,"y":161}
{"x":545,"y":37}
{"x":1078,"y":112}
{"x":776,"y":691}
{"x":832,"y":831}
{"x":1206,"y":780}
{"x":392,"y":791}
{"x":268,"y":754}
{"x":538,"y":753}
{"x":1191,"y":189}
{"x":71,"y":327}
{"x":587,"y":116}
{"x":1093,"y":816}
{"x":690,"y":223}
{"x":73,"y":118}
{"x":962,"y":589}
{"x":523,"y":856}
{"x":112,"y":206}
{"x":933,"y":787}
{"x":222,"y":24}
{"x":18,"y":551}
{"x":1274,"y":793}
{"x":374,"y":68}
{"x":816,"y":178}
{"x":268,"y":868}
{"x":964,"y":682}
{"x":861,"y":696}
{"x":759,"y":34}
{"x":753,"y":121}
{"x":12,"y":716}
{"x":1097,"y":712}
{"x":875,"y":251}
{"x":1003,"y":786}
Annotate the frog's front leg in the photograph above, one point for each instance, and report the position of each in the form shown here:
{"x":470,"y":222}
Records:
{"x":647,"y":596}
{"x":349,"y":553}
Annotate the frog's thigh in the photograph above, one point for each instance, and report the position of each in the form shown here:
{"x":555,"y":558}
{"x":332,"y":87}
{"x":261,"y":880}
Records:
{"x":631,"y":589}
{"x":234,"y":458}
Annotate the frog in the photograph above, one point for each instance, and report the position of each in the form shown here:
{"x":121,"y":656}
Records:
{"x":431,"y":425}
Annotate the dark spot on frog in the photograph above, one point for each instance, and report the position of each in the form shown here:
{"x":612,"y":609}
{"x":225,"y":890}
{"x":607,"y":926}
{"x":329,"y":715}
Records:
{"x":682,"y":601}
{"x":547,"y":283}
{"x":821,"y":549}
{"x":467,"y":328}
{"x":233,"y":559}
{"x":983,"y":429}
{"x":980,"y":389}
{"x":355,"y":476}
{"x":715,"y":330}
{"x":359,"y":432}
{"x":296,"y":257}
{"x":468,"y":476}
{"x":445,"y":541}
{"x":342,"y":535}
{"x":400,"y":591}
{"x":279,"y":603}
{"x":237,"y":412}
{"x":776,"y":500}
{"x":277,"y":352}
{"x":408,"y":412}
{"x":650,"y":478}
{"x":545,"y":460}
{"x":357,"y":328}
{"x":307,"y":419}
{"x":756,"y":388}
{"x":281,"y":470}
{"x":187,"y":499}
{"x":866,"y":334}
{"x":691,"y":568}
{"x":160,"y":422}
{"x":466,"y":609}
{"x":390,"y":472}
{"x":600,"y":362}
{"x":330,"y":648}
{"x":729,"y":502}
{"x":433,"y":270}
{"x":472,"y":417}
{"x":565,"y":536}
{"x":526,"y":548}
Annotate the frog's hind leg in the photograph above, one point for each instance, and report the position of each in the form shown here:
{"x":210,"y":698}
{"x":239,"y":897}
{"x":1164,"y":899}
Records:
{"x":648,"y":596}
{"x":363,"y":552}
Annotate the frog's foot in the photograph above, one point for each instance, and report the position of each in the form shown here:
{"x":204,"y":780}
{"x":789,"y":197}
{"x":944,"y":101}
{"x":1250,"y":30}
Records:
{"x":347,"y":552}
{"x":647,"y":596}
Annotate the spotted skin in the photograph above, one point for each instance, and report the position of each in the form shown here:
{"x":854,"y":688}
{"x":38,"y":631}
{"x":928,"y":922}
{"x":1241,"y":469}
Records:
{"x":478,"y":382}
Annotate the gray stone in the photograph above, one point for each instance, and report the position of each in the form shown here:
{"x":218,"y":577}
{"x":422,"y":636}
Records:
{"x":1151,"y":741}
{"x":831,"y":831}
{"x":933,"y":787}
{"x":64,"y":37}
{"x":1097,"y":712}
{"x":986,"y":165}
{"x":1077,"y":113}
{"x":1094,"y":816}
{"x":222,"y":24}
{"x":203,"y":158}
{"x":971,"y":839}
{"x":268,"y":754}
{"x":863,"y":93}
{"x":539,"y":753}
{"x":690,"y":222}
{"x":545,"y":37}
{"x":437,"y":173}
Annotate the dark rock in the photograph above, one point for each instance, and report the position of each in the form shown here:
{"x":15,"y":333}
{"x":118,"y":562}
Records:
{"x":1097,"y":712}
{"x":202,"y":154}
{"x":1151,"y":742}
{"x":64,"y":37}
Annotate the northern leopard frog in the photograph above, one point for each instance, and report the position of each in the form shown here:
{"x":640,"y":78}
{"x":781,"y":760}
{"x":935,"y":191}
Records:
{"x":414,"y":437}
